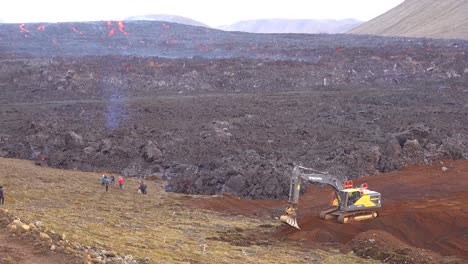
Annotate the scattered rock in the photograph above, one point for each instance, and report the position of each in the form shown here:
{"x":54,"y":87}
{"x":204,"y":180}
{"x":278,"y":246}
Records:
{"x":17,"y":222}
{"x":110,"y":254}
{"x":44,"y":236}
{"x":12,"y":228}
{"x":25,"y":228}
{"x":97,"y":261}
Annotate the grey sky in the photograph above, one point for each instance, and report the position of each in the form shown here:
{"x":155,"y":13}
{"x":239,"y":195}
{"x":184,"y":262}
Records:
{"x":210,"y":12}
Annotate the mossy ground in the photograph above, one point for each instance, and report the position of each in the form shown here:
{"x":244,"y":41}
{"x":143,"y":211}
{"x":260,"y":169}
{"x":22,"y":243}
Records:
{"x":156,"y":228}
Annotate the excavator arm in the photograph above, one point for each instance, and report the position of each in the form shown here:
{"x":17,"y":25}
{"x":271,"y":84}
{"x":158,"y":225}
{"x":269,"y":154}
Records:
{"x":297,"y":177}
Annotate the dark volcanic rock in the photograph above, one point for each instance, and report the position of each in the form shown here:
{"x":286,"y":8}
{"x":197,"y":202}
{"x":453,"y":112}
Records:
{"x":392,"y":156}
{"x":413,"y":152}
{"x":151,"y":152}
{"x":454,"y":147}
{"x":73,"y":140}
{"x":229,"y":111}
{"x":260,"y":178}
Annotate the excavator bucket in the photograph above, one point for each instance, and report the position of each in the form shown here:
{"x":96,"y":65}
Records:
{"x":287,"y":219}
{"x":289,"y":216}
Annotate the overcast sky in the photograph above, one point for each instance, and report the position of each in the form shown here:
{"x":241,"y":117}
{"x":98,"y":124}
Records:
{"x":211,"y":12}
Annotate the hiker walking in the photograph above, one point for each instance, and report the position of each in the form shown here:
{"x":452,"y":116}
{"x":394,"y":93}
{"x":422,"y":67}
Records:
{"x":142,"y":187}
{"x":103,"y":180}
{"x":106,"y":182}
{"x":2,"y":199}
{"x":112,"y":180}
{"x":121,"y":182}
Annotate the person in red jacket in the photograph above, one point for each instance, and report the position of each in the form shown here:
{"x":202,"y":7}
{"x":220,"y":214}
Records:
{"x":121,"y":182}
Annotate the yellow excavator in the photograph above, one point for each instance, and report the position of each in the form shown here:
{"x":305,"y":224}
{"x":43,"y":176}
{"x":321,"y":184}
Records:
{"x":349,"y":204}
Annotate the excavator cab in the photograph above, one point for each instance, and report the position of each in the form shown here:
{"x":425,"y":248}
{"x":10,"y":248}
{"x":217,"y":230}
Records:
{"x":349,"y":197}
{"x":357,"y":199}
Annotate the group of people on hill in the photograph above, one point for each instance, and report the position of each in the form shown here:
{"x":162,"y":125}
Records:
{"x":106,"y":181}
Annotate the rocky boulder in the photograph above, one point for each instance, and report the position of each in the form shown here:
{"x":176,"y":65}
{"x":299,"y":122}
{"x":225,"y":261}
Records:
{"x":151,"y":152}
{"x":413,"y":153}
{"x":73,"y":140}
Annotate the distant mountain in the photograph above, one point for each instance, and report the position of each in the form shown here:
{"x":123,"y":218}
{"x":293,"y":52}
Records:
{"x":421,"y":18}
{"x":169,"y":18}
{"x":311,"y":26}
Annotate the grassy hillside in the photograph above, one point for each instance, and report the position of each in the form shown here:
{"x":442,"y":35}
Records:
{"x":156,"y":228}
{"x":421,"y":18}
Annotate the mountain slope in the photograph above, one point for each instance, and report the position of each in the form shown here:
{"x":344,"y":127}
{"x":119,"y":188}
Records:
{"x":421,"y":18}
{"x":169,"y":18}
{"x":311,"y":26}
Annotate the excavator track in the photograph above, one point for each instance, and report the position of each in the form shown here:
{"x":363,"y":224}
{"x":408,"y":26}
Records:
{"x":356,"y":216}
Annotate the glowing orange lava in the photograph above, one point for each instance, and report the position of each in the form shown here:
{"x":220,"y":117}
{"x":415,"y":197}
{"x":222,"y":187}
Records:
{"x":77,"y":31}
{"x":23,"y":30}
{"x":121,"y":27}
{"x":166,"y":26}
{"x":55,"y":41}
{"x":111,"y":31}
{"x":112,"y":28}
{"x":41,"y":28}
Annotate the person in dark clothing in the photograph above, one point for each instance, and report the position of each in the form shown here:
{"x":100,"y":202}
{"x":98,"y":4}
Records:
{"x":142,"y":187}
{"x":112,"y":181}
{"x":106,"y":182}
{"x":2,"y":199}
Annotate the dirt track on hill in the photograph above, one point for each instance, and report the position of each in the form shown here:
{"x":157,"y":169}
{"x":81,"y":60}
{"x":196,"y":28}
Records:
{"x":422,"y":207}
{"x":20,"y":251}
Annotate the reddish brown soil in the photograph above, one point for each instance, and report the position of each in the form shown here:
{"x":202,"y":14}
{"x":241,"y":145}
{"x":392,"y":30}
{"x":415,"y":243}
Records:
{"x":422,"y":206}
{"x":19,"y":251}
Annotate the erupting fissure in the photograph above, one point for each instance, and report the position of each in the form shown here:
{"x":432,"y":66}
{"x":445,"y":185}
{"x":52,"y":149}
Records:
{"x":112,"y":28}
{"x":121,"y":27}
{"x":77,"y":31}
{"x":23,"y":30}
